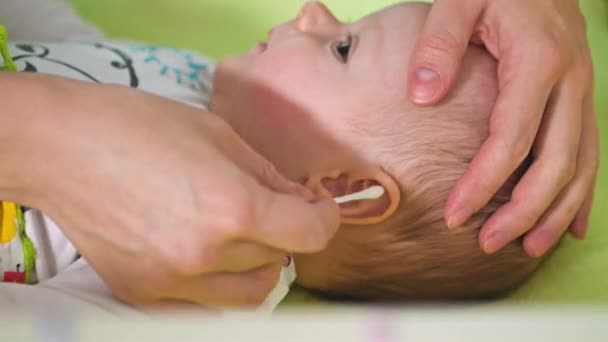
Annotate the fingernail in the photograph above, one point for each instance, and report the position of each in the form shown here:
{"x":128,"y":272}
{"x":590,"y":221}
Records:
{"x":426,"y":85}
{"x":495,"y":242}
{"x":287,"y":260}
{"x":579,"y":229}
{"x":459,"y":218}
{"x":543,"y":241}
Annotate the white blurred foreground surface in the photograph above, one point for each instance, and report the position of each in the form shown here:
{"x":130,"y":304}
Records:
{"x":454,"y":324}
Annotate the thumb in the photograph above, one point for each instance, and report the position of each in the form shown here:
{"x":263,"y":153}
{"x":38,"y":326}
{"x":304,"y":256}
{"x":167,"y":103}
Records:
{"x":441,"y":45}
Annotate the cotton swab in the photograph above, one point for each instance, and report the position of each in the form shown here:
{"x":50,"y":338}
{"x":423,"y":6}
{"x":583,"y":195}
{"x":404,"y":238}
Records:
{"x":372,"y":192}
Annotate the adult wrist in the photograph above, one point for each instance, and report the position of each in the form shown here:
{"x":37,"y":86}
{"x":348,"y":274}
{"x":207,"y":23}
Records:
{"x":27,"y":103}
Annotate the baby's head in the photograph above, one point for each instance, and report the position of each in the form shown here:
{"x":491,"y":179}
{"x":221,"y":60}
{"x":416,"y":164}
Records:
{"x":326,"y":103}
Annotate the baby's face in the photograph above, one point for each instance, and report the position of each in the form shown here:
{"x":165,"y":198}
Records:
{"x":299,"y":98}
{"x":305,"y":98}
{"x":326,"y":103}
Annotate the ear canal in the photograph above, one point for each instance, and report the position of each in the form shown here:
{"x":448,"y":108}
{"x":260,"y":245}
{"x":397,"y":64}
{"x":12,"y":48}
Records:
{"x":336,"y":185}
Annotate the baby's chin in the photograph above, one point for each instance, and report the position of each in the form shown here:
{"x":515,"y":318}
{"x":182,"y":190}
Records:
{"x":232,"y":66}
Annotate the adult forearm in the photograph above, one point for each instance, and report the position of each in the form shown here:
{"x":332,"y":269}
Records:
{"x":27,"y":104}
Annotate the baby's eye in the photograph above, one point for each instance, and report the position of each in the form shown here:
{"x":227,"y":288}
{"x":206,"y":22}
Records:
{"x":341,"y":49}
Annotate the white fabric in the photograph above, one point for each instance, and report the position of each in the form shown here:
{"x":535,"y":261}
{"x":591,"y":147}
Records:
{"x":76,"y":289}
{"x":54,"y":251}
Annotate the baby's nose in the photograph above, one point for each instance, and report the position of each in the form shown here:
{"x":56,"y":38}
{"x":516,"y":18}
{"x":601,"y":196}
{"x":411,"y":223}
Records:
{"x":315,"y":16}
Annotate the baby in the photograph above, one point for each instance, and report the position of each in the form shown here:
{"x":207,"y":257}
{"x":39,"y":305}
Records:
{"x":326,"y":103}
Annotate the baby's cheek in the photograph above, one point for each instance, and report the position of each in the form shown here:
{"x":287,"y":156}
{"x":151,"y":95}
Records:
{"x":272,"y":110}
{"x":290,"y":73}
{"x":281,"y":99}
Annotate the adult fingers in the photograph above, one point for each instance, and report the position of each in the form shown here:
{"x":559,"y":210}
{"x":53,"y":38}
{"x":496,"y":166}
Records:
{"x":555,"y":150}
{"x":289,"y":223}
{"x":228,"y":289}
{"x":523,"y":92}
{"x":579,"y":227}
{"x":286,"y":222}
{"x":156,"y":280}
{"x":557,"y":219}
{"x":271,"y":214}
{"x":241,"y":256}
{"x":441,"y":45}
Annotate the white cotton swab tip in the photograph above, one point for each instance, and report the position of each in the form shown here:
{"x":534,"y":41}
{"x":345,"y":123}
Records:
{"x":372,"y":192}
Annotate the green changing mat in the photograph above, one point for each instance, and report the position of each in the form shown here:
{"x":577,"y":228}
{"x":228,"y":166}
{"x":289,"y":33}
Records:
{"x":576,"y":273}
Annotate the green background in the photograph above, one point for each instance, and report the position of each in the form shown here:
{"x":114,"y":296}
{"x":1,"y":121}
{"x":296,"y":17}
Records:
{"x":577,"y":272}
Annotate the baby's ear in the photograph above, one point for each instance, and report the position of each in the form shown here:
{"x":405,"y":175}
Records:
{"x":359,"y":212}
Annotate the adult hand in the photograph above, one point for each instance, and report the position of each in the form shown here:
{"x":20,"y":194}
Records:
{"x":545,"y":106}
{"x":165,"y":201}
